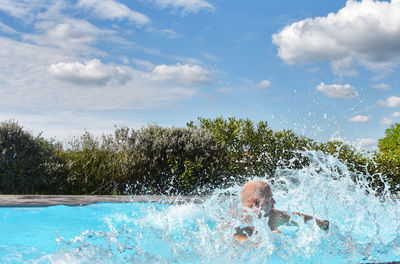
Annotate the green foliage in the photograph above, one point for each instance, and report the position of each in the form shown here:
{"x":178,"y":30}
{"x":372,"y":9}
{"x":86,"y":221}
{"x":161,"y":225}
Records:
{"x":381,"y":170}
{"x":92,"y":167}
{"x":154,"y":160}
{"x":173,"y":160}
{"x":206,"y":154}
{"x":390,"y":144}
{"x":256,"y":149}
{"x":28,"y":164}
{"x":388,"y":159}
{"x":242,"y":141}
{"x":354,"y":160}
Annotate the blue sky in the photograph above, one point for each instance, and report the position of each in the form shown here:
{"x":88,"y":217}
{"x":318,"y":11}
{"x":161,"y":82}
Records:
{"x":325,"y":69}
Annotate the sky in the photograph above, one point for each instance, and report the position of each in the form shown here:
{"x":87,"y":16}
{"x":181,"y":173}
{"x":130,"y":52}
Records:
{"x":324,"y":69}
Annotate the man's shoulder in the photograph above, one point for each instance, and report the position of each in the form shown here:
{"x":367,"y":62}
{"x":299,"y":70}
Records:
{"x":279,"y":216}
{"x":277,"y":212}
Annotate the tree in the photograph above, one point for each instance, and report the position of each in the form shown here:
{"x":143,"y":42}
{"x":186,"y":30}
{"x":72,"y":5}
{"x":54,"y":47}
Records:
{"x":390,"y":144}
{"x":28,"y":164}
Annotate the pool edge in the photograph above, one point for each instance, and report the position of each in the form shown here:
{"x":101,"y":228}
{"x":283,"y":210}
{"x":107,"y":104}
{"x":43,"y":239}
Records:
{"x":76,"y":200}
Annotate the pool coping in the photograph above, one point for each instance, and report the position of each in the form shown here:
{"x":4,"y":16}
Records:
{"x":76,"y":200}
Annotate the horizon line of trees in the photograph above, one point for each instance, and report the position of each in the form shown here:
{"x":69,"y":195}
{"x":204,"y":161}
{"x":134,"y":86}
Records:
{"x":204,"y":155}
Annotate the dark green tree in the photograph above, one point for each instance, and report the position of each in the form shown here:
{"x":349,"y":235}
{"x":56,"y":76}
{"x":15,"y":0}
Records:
{"x":390,"y":144}
{"x":174,"y":160}
{"x":28,"y":164}
{"x":93,"y":166}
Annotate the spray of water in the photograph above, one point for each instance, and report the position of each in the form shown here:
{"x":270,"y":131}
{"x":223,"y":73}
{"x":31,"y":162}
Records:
{"x":364,"y":227}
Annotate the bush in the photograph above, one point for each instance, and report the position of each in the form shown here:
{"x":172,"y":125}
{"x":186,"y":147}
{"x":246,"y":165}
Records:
{"x":92,"y":167}
{"x":256,"y":150}
{"x":390,"y":144}
{"x":199,"y":158}
{"x":28,"y":164}
{"x":174,"y":160}
{"x":153,"y":160}
{"x":213,"y":153}
{"x":388,"y":159}
{"x":382,"y":171}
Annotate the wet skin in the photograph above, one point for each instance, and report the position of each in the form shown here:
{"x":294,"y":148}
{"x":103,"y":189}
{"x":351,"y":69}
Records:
{"x":256,"y":196}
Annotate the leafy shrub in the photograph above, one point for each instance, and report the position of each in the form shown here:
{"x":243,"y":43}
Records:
{"x":388,"y":159}
{"x":390,"y":144}
{"x":256,"y":149}
{"x":208,"y":154}
{"x":381,"y":170}
{"x":28,"y":164}
{"x":174,"y":160}
{"x":92,"y":167}
{"x":153,"y":160}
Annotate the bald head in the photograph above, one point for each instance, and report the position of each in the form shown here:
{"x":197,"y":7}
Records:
{"x":254,"y":189}
{"x":258,"y":194}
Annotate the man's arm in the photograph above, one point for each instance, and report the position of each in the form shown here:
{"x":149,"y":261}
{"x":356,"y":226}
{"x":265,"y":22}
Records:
{"x":323,"y":224}
{"x":243,"y":234}
{"x":278,"y":218}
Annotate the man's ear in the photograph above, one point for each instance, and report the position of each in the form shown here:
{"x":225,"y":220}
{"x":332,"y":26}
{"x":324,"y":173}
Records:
{"x":254,"y":202}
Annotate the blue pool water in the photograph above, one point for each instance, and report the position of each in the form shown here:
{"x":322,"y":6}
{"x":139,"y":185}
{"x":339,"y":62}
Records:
{"x":363,"y":228}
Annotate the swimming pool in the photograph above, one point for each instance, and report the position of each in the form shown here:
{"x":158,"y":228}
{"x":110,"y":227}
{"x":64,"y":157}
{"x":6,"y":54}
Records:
{"x":363,"y":228}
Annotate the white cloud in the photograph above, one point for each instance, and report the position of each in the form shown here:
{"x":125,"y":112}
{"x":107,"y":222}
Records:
{"x":364,"y":142}
{"x":91,"y":72}
{"x":344,"y":66}
{"x":339,"y":139}
{"x":381,"y":86}
{"x":52,"y":27}
{"x":359,"y":119}
{"x":13,"y":8}
{"x":360,"y":142}
{"x":26,"y":81}
{"x":337,"y":90}
{"x":183,"y":60}
{"x":386,"y":121}
{"x":74,"y":36}
{"x":182,"y":73}
{"x":29,"y":11}
{"x":144,"y":64}
{"x":21,"y":9}
{"x":72,"y":30}
{"x":170,"y":34}
{"x":368,"y":31}
{"x":264,"y":84}
{"x":63,"y":125}
{"x":392,"y":101}
{"x":224,"y":90}
{"x":124,"y":59}
{"x":211,"y":56}
{"x":188,"y":6}
{"x":396,"y":114}
{"x":7,"y":29}
{"x":110,"y":9}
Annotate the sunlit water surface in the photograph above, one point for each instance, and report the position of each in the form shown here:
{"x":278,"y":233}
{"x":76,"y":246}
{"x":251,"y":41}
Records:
{"x":363,"y":228}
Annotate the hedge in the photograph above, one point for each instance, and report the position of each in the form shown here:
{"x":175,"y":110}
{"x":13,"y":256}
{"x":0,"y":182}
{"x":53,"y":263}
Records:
{"x":207,"y":154}
{"x":28,"y":164}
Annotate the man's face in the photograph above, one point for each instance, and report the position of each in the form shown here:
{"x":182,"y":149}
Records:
{"x":263,"y":202}
{"x":260,"y":201}
{"x":257,"y":196}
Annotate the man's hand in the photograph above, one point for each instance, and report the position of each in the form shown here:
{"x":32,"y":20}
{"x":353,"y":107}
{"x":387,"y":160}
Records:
{"x":240,"y":237}
{"x":242,"y":234}
{"x":323,"y":224}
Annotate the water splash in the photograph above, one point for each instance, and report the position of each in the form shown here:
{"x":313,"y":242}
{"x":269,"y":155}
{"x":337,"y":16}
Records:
{"x":364,"y":227}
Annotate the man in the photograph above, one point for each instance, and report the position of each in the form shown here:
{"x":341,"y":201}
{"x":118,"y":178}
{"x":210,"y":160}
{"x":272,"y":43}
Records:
{"x":257,"y":197}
